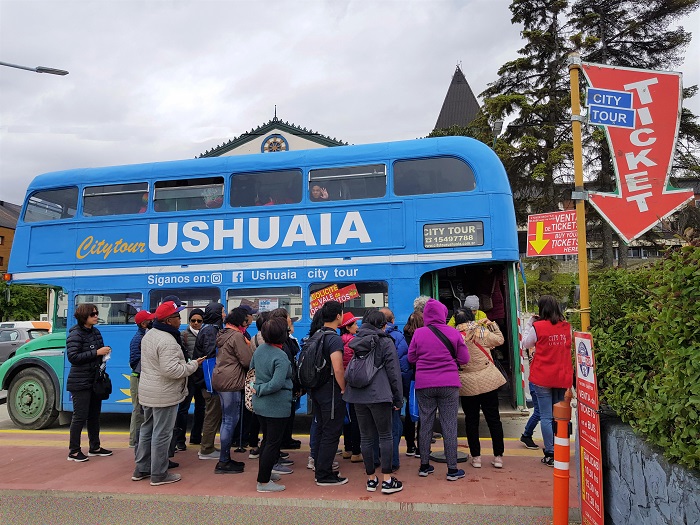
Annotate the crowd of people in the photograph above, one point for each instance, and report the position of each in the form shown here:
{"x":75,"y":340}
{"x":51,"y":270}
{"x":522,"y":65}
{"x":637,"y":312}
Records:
{"x":370,"y":370}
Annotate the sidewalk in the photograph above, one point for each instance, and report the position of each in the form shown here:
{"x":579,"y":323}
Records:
{"x":36,"y":478}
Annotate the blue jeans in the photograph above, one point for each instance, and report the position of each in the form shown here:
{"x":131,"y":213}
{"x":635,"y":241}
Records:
{"x":230,"y":413}
{"x":546,"y":398}
{"x":535,"y":417}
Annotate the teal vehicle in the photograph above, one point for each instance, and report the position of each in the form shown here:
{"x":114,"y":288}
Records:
{"x":33,"y":379}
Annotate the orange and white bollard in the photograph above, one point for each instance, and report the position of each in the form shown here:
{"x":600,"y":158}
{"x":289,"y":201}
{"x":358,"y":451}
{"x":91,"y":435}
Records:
{"x":562,"y":431}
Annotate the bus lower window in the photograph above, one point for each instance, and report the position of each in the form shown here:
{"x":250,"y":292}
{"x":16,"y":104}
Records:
{"x":188,"y":194}
{"x":428,"y":176}
{"x":115,"y":199}
{"x":266,"y":188}
{"x":51,"y":205}
{"x":267,"y":299}
{"x":356,"y":297}
{"x":114,"y":308}
{"x":190,"y":297}
{"x":351,"y":182}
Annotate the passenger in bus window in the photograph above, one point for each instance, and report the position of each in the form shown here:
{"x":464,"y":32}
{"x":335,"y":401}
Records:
{"x":318,"y":193}
{"x":85,"y":350}
{"x":143,"y":320}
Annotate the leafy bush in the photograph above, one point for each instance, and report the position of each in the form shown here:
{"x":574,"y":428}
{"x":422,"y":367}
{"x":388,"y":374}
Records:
{"x":646,"y":329}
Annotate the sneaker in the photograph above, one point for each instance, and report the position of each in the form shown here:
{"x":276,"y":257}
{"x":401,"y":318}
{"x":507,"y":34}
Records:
{"x":285,"y":462}
{"x":294,"y":444}
{"x":254,"y":453}
{"x":275,"y":477}
{"x":172,"y":464}
{"x":100,"y":452}
{"x":168,"y":478}
{"x":416,"y":453}
{"x":78,"y":456}
{"x":548,"y":460}
{"x":372,"y":484}
{"x":391,"y":486}
{"x":281,"y":469}
{"x":476,"y":461}
{"x":347,"y":454}
{"x":311,"y":464}
{"x":138,"y":476}
{"x":270,"y":486}
{"x":454,"y":475}
{"x":356,"y":458}
{"x":497,"y":462}
{"x":284,"y":455}
{"x":180,"y":447}
{"x":228,"y":467}
{"x":335,"y":467}
{"x":425,"y":470}
{"x":410,"y":451}
{"x":528,"y":442}
{"x":211,"y":455}
{"x":330,"y":482}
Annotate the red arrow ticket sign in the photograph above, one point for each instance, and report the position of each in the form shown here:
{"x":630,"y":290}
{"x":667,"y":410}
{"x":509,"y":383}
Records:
{"x":552,"y":234}
{"x":642,"y":156}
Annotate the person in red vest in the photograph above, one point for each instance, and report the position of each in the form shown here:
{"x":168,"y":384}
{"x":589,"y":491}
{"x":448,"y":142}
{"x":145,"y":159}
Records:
{"x":551,"y":371}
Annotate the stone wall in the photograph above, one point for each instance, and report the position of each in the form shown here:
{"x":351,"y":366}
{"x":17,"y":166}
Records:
{"x":640,"y":485}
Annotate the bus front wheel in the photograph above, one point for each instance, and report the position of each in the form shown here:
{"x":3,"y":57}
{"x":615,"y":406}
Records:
{"x":31,"y":400}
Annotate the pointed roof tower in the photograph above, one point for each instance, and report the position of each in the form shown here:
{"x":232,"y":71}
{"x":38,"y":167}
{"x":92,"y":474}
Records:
{"x":460,"y":106}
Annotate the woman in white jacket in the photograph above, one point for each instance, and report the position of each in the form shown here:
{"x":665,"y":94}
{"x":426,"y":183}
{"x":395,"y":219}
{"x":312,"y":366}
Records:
{"x":480,"y":381}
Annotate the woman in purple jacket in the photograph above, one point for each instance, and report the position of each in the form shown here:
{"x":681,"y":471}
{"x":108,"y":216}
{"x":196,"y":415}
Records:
{"x":437,"y":383}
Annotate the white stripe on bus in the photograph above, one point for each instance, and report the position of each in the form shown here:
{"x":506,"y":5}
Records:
{"x":144,"y":270}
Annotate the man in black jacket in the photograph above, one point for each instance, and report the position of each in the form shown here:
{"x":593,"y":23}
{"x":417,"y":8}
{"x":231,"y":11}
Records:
{"x":205,"y":346}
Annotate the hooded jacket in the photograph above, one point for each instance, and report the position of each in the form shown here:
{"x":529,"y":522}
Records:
{"x":386,"y":384}
{"x":81,"y":347}
{"x":205,"y":345}
{"x":435,"y":366}
{"x":232,"y":361}
{"x":402,"y":351}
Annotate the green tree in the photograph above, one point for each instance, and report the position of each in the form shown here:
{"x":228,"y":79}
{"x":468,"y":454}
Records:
{"x":641,"y":35}
{"x":26,"y":303}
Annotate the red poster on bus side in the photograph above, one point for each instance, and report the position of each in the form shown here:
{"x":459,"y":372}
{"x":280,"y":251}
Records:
{"x":588,"y":431}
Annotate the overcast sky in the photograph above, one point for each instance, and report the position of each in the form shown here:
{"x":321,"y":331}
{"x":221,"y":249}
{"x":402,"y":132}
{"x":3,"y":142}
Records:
{"x":155,"y":80}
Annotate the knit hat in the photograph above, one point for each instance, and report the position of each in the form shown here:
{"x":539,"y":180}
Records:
{"x":194,"y":312}
{"x":143,"y":315}
{"x":348,"y":319}
{"x":471,"y":302}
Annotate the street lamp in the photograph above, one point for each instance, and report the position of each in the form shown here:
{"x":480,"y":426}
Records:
{"x":38,"y":69}
{"x":497,"y":128}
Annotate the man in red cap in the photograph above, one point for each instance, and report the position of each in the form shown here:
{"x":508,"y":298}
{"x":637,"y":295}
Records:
{"x":162,"y":386}
{"x":143,"y":321}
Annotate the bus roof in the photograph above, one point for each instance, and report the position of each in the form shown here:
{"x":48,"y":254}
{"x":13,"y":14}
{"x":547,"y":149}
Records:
{"x":479,"y":155}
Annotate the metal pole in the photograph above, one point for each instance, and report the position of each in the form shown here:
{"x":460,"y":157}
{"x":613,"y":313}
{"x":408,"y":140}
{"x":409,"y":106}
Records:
{"x":38,"y":69}
{"x":574,"y":67}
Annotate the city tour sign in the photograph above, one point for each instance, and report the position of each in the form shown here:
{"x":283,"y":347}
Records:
{"x":640,"y":110}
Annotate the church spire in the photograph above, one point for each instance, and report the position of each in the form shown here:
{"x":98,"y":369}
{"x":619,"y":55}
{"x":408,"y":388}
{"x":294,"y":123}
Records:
{"x":460,"y":106}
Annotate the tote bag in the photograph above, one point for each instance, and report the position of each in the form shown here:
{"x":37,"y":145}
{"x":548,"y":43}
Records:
{"x":412,"y":402}
{"x":208,"y":370}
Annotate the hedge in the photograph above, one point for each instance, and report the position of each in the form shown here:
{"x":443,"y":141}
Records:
{"x":646,"y":331}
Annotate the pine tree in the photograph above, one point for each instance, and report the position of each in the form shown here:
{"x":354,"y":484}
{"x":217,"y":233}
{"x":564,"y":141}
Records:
{"x":634,"y":34}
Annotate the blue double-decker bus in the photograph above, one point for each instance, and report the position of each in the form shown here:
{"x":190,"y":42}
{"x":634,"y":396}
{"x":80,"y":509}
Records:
{"x":371,"y":226}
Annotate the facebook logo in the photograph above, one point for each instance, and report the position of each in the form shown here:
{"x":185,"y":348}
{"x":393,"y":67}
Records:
{"x":237,"y":277}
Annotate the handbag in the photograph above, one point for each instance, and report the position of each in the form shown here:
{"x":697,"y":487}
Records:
{"x":208,"y":370}
{"x":102,"y":386}
{"x":249,"y":390}
{"x":413,"y":402}
{"x":485,"y":299}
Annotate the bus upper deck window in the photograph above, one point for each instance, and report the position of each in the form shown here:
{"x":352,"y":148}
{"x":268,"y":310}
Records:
{"x":348,"y":182}
{"x":51,"y":205}
{"x":189,"y":194}
{"x":266,"y":188}
{"x":115,"y":199}
{"x":427,"y":176}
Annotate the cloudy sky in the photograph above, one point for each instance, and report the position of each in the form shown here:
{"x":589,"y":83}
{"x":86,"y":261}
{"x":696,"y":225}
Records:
{"x":158,"y":80}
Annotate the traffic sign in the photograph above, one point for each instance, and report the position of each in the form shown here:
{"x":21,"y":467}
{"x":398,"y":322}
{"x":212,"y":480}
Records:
{"x":609,"y":98}
{"x":642,"y":154}
{"x":552,"y":234}
{"x":588,"y":431}
{"x":602,"y":116}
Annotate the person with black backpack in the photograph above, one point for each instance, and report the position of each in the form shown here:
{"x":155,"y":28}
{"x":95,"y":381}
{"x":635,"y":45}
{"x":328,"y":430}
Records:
{"x":323,"y":353}
{"x":373,"y":385}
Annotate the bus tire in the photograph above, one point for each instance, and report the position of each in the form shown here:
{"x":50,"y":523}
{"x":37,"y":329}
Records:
{"x":31,"y":400}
